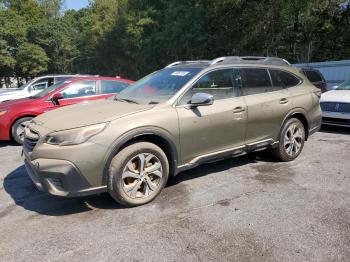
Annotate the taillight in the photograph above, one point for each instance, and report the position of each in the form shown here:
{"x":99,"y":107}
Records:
{"x":318,"y":93}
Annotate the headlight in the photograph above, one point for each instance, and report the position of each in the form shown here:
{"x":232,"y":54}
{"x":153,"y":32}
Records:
{"x":74,"y":136}
{"x":3,"y":112}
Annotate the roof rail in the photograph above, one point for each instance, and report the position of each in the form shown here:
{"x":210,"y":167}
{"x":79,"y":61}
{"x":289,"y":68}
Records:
{"x":250,"y":60}
{"x":187,"y":62}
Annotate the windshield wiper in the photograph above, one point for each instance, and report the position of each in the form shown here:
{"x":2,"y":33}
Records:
{"x":153,"y":103}
{"x":125,"y":100}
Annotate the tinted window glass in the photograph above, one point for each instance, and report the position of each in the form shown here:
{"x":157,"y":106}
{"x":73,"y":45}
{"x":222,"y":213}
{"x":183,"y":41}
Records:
{"x":39,"y":86}
{"x":80,"y":89}
{"x":110,"y":87}
{"x":313,"y":76}
{"x":218,"y":83}
{"x":281,"y":79}
{"x":255,"y":81}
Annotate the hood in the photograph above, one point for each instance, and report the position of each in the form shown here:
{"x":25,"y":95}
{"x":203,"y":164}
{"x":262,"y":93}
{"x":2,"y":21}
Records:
{"x":16,"y":103}
{"x":9,"y":91}
{"x":336,"y":96}
{"x":3,"y":90}
{"x":85,"y":114}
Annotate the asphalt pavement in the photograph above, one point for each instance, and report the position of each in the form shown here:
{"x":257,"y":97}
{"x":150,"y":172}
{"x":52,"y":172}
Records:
{"x":243,"y":209}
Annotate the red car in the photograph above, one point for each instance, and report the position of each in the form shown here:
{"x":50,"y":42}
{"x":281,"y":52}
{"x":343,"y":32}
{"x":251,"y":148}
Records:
{"x":16,"y":114}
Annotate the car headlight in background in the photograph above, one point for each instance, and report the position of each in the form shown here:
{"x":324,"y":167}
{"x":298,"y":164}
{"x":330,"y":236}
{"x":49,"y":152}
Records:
{"x":3,"y":112}
{"x":74,"y":136}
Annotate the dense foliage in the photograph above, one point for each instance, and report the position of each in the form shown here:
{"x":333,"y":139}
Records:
{"x":134,"y":37}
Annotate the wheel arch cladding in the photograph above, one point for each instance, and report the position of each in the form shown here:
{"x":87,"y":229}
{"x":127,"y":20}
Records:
{"x":154,"y":137}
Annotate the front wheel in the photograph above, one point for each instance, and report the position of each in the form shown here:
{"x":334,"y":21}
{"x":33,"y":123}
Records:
{"x":291,"y":141}
{"x":137,"y":174}
{"x":17,"y":130}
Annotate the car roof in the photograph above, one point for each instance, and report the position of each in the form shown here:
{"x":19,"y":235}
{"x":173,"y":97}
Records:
{"x":117,"y":79}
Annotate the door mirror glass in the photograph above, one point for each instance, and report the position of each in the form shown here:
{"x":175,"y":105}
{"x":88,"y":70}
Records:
{"x":202,"y":99}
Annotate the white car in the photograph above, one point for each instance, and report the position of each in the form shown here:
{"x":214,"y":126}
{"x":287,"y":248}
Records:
{"x":33,"y":87}
{"x":335,"y":106}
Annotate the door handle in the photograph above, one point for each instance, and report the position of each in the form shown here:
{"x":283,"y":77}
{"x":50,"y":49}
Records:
{"x":238,"y":109}
{"x":284,"y":101}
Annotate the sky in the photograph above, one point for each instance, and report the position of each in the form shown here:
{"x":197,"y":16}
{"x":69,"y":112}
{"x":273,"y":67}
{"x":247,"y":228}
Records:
{"x":76,"y":4}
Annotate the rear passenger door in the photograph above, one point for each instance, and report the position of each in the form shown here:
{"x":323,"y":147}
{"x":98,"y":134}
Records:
{"x":267,"y":101}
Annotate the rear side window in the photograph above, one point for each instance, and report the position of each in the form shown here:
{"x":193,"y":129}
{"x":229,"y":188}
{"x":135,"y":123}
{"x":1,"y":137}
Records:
{"x":255,"y":81}
{"x":313,"y":76}
{"x":110,"y":87}
{"x":282,"y":79}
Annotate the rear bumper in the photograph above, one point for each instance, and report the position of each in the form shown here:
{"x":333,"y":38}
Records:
{"x":59,"y":177}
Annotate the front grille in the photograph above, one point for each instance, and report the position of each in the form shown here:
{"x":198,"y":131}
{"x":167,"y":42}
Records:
{"x":339,"y":121}
{"x":335,"y":107}
{"x":31,"y":138}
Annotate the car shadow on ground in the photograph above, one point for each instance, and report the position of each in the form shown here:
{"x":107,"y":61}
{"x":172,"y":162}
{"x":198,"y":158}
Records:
{"x":22,"y":190}
{"x":335,"y":130}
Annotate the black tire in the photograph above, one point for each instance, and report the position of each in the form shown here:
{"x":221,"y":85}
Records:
{"x":120,"y":165}
{"x":14,"y":133}
{"x":283,"y":152}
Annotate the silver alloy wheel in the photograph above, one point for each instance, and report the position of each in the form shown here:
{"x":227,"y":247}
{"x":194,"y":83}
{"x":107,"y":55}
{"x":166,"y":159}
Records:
{"x":293,"y":139}
{"x":142,"y":176}
{"x":20,"y":129}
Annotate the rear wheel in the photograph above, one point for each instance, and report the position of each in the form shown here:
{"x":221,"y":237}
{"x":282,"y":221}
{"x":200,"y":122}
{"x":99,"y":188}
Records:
{"x":17,"y":130}
{"x":291,"y":141}
{"x":137,"y":174}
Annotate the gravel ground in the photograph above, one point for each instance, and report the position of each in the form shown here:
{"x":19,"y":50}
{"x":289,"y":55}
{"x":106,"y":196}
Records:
{"x":243,"y":209}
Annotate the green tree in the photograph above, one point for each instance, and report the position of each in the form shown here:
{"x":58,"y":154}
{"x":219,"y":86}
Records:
{"x":31,"y":60}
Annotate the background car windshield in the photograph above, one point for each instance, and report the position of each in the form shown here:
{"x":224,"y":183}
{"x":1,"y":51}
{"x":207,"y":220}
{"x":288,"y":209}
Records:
{"x":344,"y":86}
{"x":159,"y":86}
{"x":49,"y":90}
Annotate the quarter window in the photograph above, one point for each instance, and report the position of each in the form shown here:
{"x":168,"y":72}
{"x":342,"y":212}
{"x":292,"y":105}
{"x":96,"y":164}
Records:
{"x":80,"y":89}
{"x":255,"y":81}
{"x":217,"y":83}
{"x":281,"y":79}
{"x":110,"y":87}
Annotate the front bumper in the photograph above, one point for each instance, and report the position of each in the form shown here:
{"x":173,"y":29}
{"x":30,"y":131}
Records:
{"x":59,"y":177}
{"x":336,"y":119}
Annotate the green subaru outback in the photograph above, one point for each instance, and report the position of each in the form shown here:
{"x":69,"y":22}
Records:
{"x":186,"y":114}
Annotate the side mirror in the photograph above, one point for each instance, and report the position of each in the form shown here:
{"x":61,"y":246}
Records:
{"x":57,"y":97}
{"x":201,"y":99}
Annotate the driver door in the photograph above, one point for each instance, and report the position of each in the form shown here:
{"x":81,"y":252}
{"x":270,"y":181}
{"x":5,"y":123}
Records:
{"x":207,"y":130}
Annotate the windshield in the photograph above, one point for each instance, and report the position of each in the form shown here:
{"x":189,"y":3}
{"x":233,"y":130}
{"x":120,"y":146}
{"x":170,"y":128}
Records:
{"x":159,"y":86}
{"x":49,"y":90}
{"x":344,"y":86}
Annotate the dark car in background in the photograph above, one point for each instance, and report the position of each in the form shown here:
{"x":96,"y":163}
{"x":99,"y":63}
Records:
{"x":316,"y":78}
{"x":16,"y":114}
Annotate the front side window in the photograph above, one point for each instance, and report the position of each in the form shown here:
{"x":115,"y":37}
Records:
{"x":255,"y":81}
{"x":39,"y":86}
{"x":282,"y":79}
{"x":313,"y":76}
{"x":344,"y":86}
{"x":110,"y":87}
{"x":159,"y":86}
{"x":80,"y":89}
{"x":219,"y":83}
